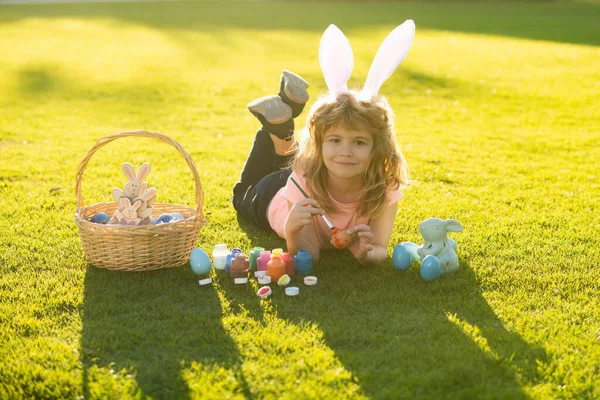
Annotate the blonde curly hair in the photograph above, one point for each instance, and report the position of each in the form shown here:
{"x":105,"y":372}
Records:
{"x":388,"y":168}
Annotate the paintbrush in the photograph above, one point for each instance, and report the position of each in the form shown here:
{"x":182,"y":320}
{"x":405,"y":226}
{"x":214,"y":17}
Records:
{"x":339,"y":237}
{"x":327,"y":221}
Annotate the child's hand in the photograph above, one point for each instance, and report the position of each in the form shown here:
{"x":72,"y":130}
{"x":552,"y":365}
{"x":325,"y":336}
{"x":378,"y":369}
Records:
{"x":364,"y":235}
{"x":301,"y":215}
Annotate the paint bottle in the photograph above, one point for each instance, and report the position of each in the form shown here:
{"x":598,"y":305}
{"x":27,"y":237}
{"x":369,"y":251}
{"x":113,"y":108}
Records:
{"x":277,"y":251}
{"x":265,"y":257}
{"x":303,"y":262}
{"x":254,"y":254}
{"x":289,"y":263}
{"x":275,"y":267}
{"x":220,"y":256}
{"x":230,"y":257}
{"x":239,"y":266}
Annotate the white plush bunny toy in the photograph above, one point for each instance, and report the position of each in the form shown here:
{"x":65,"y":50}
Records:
{"x":435,"y":232}
{"x":135,"y":191}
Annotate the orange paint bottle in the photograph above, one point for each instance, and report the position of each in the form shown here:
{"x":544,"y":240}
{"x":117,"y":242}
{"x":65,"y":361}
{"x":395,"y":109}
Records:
{"x":275,"y":267}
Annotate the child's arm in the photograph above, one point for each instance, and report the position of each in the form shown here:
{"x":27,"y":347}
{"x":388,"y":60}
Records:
{"x":300,"y":229}
{"x":373,"y":239}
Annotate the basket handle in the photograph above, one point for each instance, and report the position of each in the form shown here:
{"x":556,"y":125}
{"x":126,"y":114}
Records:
{"x":158,"y":136}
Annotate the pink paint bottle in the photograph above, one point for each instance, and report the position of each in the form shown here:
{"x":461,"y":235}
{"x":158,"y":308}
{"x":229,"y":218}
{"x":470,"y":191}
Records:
{"x":265,"y":257}
{"x":289,"y":263}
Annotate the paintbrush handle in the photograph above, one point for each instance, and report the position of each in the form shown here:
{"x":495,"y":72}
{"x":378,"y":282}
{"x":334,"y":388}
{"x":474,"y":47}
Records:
{"x":327,"y":221}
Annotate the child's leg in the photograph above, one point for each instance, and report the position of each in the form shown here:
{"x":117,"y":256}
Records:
{"x":271,"y":151}
{"x":261,"y":179}
{"x":277,"y":121}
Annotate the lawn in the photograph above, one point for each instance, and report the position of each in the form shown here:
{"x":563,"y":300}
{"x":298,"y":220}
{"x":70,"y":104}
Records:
{"x":497,"y":115}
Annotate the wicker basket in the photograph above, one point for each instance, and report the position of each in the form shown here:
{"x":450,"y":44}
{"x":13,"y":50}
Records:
{"x":144,"y":247}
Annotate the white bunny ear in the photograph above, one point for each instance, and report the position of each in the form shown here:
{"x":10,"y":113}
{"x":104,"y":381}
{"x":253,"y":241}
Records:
{"x":143,"y":172}
{"x":390,"y":54}
{"x":137,"y":204}
{"x":336,"y":59}
{"x":126,"y":202}
{"x":128,"y":171}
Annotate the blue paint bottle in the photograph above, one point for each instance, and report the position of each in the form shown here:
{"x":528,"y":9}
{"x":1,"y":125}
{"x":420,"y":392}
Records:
{"x":303,"y":262}
{"x":231,"y":256}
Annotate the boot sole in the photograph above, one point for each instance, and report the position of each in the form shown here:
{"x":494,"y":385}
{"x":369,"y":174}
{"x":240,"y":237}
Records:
{"x":295,"y":87}
{"x":272,"y":108}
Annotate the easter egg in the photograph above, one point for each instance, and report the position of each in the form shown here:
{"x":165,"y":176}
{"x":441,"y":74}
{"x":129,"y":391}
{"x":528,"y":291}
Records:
{"x":200,"y":262}
{"x":340,"y":238}
{"x":430,"y":268}
{"x":100,"y":218}
{"x":176,"y":216}
{"x":401,"y":258}
{"x":452,"y":243}
{"x":164,"y":219}
{"x":412,"y":249}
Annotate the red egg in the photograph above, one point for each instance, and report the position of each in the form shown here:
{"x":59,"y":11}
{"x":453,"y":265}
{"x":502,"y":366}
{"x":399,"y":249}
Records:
{"x":340,"y":238}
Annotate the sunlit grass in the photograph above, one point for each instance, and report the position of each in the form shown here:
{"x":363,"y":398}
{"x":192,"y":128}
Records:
{"x":497,"y":116}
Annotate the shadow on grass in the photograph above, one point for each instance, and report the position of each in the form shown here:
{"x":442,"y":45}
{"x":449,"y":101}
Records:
{"x":559,"y":22}
{"x":39,"y":81}
{"x":405,"y":338}
{"x":154,"y":325}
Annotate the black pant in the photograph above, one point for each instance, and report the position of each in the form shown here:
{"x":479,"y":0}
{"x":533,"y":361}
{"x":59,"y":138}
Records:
{"x":261,"y":179}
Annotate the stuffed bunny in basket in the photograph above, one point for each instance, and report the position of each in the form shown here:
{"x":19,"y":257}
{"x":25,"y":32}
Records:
{"x":435,"y":232}
{"x":128,"y":214}
{"x":135,"y":191}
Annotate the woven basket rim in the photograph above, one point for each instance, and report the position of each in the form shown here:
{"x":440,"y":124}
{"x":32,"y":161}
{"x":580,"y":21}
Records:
{"x":138,"y":133}
{"x":85,"y":223}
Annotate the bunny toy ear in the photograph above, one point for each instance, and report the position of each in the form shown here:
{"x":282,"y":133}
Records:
{"x":336,"y":59}
{"x":143,"y":188}
{"x":128,"y":171}
{"x":143,"y":172}
{"x":453,"y":225}
{"x":390,"y":54}
{"x":150,"y":194}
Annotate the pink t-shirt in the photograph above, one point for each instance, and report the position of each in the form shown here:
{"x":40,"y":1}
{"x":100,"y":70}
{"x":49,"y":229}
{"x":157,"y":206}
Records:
{"x":344,"y":216}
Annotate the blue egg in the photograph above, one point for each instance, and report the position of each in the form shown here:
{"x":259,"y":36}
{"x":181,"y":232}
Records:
{"x":100,"y":218}
{"x":452,"y":243}
{"x":200,"y":262}
{"x":176,"y":216}
{"x":401,"y":258}
{"x":412,"y":249}
{"x":164,"y":219}
{"x":430,"y":268}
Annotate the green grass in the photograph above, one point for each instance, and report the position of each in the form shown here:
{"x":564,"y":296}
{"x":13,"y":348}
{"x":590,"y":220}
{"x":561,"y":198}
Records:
{"x":498,"y":118}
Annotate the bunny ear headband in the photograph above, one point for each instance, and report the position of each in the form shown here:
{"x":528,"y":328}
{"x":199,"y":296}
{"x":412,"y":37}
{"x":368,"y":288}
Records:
{"x":337,"y":60}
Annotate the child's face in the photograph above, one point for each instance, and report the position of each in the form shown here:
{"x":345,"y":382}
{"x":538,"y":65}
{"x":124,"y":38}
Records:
{"x":347,"y":153}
